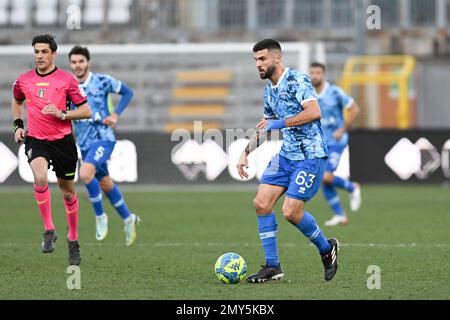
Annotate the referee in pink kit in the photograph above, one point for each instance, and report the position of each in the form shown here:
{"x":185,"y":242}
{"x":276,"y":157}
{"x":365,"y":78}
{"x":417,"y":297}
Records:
{"x":47,"y":92}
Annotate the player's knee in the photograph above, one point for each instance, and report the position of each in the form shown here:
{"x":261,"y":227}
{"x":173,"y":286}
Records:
{"x":288,"y":213}
{"x":40,"y":179}
{"x":67,"y":190}
{"x":292,"y":214}
{"x":86,"y":174}
{"x":328,"y":178}
{"x":261,"y":206}
{"x":106,"y":184}
{"x":68,"y":194}
{"x":106,"y":187}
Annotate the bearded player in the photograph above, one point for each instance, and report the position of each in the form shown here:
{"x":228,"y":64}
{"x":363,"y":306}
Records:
{"x":290,"y":105}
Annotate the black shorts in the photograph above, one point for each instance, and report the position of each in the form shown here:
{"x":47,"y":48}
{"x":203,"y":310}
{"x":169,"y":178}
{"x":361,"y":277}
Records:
{"x":60,"y":154}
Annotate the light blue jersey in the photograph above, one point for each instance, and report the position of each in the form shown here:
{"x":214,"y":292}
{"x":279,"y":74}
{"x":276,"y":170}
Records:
{"x":332,"y":102}
{"x":97,"y":87}
{"x":285,"y":100}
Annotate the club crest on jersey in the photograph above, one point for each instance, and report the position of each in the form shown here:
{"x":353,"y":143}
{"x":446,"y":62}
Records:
{"x":41,"y":93}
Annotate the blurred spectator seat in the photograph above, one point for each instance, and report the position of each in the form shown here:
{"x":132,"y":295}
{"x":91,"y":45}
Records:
{"x":119,"y":11}
{"x":199,"y":95}
{"x":93,"y":11}
{"x":18,"y":13}
{"x":46,"y":12}
{"x":3,"y":12}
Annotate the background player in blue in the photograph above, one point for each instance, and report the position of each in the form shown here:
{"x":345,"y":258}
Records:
{"x":96,"y":139}
{"x":290,"y":106}
{"x":333,"y":101}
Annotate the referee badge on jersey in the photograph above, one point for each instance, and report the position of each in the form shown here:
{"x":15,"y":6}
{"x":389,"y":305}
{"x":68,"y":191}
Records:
{"x":41,"y":93}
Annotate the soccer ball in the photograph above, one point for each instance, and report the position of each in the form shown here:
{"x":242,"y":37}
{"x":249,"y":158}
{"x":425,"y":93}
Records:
{"x":230,"y":268}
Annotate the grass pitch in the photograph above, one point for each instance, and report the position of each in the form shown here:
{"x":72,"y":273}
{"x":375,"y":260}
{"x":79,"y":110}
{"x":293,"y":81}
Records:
{"x":405,"y":231}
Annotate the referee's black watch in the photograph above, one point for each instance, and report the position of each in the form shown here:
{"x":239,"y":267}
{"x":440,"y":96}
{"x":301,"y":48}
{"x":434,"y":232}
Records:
{"x":64,"y":114}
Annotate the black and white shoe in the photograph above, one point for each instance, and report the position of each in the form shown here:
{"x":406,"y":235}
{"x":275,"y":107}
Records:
{"x":74,"y":252}
{"x":48,"y":244}
{"x":329,"y":260}
{"x":266,"y":274}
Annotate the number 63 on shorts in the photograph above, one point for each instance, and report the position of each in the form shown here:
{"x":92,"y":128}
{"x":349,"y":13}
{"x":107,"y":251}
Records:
{"x":301,"y":178}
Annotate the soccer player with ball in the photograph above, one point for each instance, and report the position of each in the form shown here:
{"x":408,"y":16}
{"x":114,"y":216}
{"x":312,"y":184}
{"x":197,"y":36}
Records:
{"x":291,"y":106}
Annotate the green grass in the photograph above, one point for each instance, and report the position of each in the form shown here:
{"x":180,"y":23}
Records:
{"x":403,"y":230}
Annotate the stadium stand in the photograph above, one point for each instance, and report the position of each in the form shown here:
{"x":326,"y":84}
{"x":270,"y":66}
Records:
{"x":200,"y":95}
{"x":46,"y":12}
{"x":169,"y":91}
{"x":419,"y":27}
{"x":119,"y":12}
{"x":93,"y":13}
{"x":4,"y":14}
{"x":19,"y":13}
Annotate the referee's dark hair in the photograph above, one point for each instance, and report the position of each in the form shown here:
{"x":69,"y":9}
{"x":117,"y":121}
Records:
{"x":80,"y":50}
{"x":318,"y":65}
{"x":45,"y":38}
{"x":268,"y":44}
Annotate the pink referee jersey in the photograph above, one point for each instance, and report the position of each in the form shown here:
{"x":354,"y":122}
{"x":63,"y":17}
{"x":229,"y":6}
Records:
{"x":57,"y":87}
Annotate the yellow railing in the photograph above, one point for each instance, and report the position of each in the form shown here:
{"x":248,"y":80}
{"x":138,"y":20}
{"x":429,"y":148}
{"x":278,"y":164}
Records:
{"x":352,"y":76}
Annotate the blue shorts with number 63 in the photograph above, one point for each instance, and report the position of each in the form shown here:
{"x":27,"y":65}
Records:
{"x":301,"y":178}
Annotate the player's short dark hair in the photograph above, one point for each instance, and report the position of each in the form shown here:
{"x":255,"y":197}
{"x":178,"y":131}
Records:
{"x":318,"y":65}
{"x":80,"y":50}
{"x":268,"y":44}
{"x":45,"y":38}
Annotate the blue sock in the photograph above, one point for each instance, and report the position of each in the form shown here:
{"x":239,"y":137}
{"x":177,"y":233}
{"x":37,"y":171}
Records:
{"x":308,"y":226}
{"x":343,"y":184}
{"x":268,"y":234}
{"x":116,"y":199}
{"x":333,"y":199}
{"x":95,"y":196}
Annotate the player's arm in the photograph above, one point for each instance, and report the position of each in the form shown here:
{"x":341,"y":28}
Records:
{"x":16,"y":108}
{"x":79,"y":99}
{"x":353,"y":111}
{"x":18,"y":126}
{"x":82,"y":111}
{"x":311,"y":112}
{"x":257,"y":139}
{"x":126,"y":96}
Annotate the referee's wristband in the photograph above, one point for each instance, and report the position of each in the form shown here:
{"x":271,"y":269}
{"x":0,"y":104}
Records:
{"x":18,"y":123}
